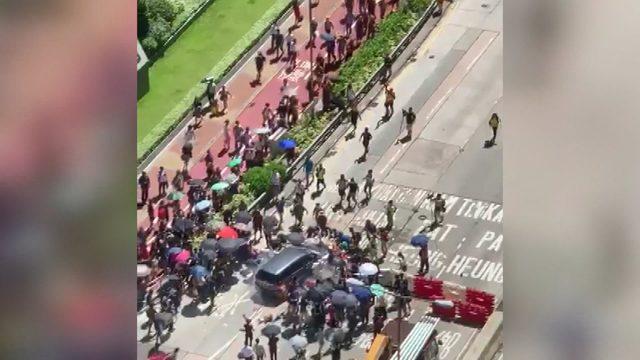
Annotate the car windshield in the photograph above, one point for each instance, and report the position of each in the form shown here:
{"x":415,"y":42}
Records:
{"x":267,"y":276}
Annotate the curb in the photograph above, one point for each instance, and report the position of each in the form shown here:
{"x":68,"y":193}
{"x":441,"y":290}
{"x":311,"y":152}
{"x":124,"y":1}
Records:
{"x":488,"y":340}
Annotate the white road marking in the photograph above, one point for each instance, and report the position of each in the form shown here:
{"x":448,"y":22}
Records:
{"x":466,"y":345}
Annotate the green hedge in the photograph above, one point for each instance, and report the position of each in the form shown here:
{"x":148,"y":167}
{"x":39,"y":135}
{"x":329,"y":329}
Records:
{"x":174,"y":117}
{"x":257,"y":180}
{"x":156,"y":20}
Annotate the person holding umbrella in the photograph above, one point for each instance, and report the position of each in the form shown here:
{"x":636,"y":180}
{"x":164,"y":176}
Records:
{"x":424,"y":260}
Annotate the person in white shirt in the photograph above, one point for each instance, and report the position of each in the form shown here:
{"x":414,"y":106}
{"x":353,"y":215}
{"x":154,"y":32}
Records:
{"x":259,"y":350}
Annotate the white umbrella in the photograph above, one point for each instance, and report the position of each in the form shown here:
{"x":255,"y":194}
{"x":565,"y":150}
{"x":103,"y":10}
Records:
{"x":143,"y":270}
{"x":298,"y":342}
{"x":245,"y":353}
{"x":263,"y":130}
{"x":354,"y":281}
{"x":312,"y":242}
{"x":368,"y":269}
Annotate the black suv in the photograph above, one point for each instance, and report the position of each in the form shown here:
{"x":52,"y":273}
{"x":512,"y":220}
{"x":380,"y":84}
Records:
{"x":277,"y":272}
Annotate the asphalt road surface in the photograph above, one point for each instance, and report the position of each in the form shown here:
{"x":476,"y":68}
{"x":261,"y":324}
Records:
{"x":453,"y":83}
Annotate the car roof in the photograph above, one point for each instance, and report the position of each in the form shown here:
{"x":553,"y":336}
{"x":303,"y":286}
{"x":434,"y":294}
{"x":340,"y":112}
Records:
{"x":284,"y":259}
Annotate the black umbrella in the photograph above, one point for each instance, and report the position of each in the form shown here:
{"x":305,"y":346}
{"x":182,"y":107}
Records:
{"x":296,"y":238}
{"x":209,"y":244}
{"x":243,"y":217}
{"x":165,"y":318}
{"x":271,"y":330}
{"x":182,"y":225}
{"x":352,"y":301}
{"x":339,"y":298}
{"x":208,"y":256}
{"x":270,"y":221}
{"x":315,"y":296}
{"x":335,"y":335}
{"x":196,"y":182}
{"x":230,"y":245}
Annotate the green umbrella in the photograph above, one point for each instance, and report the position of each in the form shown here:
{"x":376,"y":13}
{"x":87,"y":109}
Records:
{"x":219,"y":186}
{"x":377,"y":290}
{"x":235,"y":162}
{"x":175,"y":195}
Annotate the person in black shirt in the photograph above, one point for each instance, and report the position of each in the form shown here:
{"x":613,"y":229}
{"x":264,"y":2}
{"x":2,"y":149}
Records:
{"x":260,"y":59}
{"x":248,"y":332}
{"x":353,"y":191}
{"x":279,"y":44}
{"x":354,"y":115}
{"x":144,"y":183}
{"x":366,"y":138}
{"x":410,"y":118}
{"x":273,"y":348}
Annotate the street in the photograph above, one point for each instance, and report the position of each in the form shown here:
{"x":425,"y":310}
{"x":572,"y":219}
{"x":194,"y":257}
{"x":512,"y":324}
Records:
{"x":454,"y":84}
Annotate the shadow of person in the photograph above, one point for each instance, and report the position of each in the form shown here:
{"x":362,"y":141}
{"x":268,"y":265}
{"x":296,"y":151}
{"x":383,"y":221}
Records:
{"x":488,"y":144}
{"x":382,"y":121}
{"x":255,"y":83}
{"x":361,"y":159}
{"x":222,"y":152}
{"x":404,"y":139}
{"x":350,"y":135}
{"x":316,"y":194}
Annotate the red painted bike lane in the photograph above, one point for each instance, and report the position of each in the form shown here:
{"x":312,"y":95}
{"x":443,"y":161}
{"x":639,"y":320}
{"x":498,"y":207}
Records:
{"x":251,"y":115}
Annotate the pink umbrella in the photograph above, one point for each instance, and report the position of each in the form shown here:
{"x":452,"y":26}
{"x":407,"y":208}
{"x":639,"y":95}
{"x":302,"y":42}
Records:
{"x":228,"y":232}
{"x":158,"y":356}
{"x":182,"y":257}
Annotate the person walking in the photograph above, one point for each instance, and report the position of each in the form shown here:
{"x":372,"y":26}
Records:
{"x":151,"y":318}
{"x":353,"y":192}
{"x":144,"y":183}
{"x":342,"y":187}
{"x":296,"y":12}
{"x":354,"y":115}
{"x":248,"y":331}
{"x":288,"y":40}
{"x":308,"y":170}
{"x":237,"y":134}
{"x":299,"y":190}
{"x":273,"y":31}
{"x":279,"y":44}
{"x":151,"y":211}
{"x":298,"y":212}
{"x":260,"y":59}
{"x":368,"y":183}
{"x":275,"y":183}
{"x":494,"y":122}
{"x":439,"y":207}
{"x":390,"y":211}
{"x":383,"y":8}
{"x":313,"y":28}
{"x":224,"y":96}
{"x":258,"y":349}
{"x":320,"y":171}
{"x":267,"y":116}
{"x":293,"y":53}
{"x":256,"y":218}
{"x":390,"y":97}
{"x":362,"y":6}
{"x":163,"y":182}
{"x":424,"y":260}
{"x":365,"y":137}
{"x":226,"y":135}
{"x":387,"y":66}
{"x":410,"y":119}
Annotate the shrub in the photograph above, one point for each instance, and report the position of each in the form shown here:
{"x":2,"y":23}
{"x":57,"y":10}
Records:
{"x":143,"y":20}
{"x":162,"y":9}
{"x":257,"y":180}
{"x":308,"y":129}
{"x":149,"y":44}
{"x":238,"y":199}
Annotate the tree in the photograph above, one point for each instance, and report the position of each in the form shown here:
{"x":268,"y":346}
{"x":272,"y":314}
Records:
{"x":143,"y":19}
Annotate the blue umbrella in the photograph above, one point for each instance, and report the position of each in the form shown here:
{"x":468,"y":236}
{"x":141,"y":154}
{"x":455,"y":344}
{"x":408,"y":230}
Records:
{"x":327,"y":36}
{"x":202,"y":205}
{"x":198,"y":271}
{"x":173,"y":250}
{"x":287,"y":144}
{"x":345,"y":238}
{"x":360,"y":292}
{"x":420,"y":240}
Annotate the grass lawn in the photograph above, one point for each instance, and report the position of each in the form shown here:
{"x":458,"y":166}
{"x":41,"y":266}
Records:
{"x":194,"y":54}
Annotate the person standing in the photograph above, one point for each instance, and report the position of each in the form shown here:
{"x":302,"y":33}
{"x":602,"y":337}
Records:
{"x":273,"y":31}
{"x":390,"y":97}
{"x":260,"y":59}
{"x":342,"y":47}
{"x":387,"y":66}
{"x":342,"y":187}
{"x":275,"y":183}
{"x":267,"y":116}
{"x":368,"y":183}
{"x":365,"y":137}
{"x":163,"y":182}
{"x":248,"y":332}
{"x":494,"y":122}
{"x":390,"y":211}
{"x":313,"y":28}
{"x":439,"y":207}
{"x":424,"y":260}
{"x":293,"y":53}
{"x":227,"y":136}
{"x":144,"y":183}
{"x":308,"y":170}
{"x":328,"y":25}
{"x":288,"y":41}
{"x":273,"y":348}
{"x":353,"y":192}
{"x":320,"y":171}
{"x":362,"y":6}
{"x":348,"y":4}
{"x":259,"y":350}
{"x":383,"y":8}
{"x":371,"y":7}
{"x":410,"y":119}
{"x":298,"y":212}
{"x":237,"y":134}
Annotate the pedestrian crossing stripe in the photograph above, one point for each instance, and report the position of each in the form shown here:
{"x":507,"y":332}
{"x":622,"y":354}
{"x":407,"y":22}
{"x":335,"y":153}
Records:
{"x":417,"y":338}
